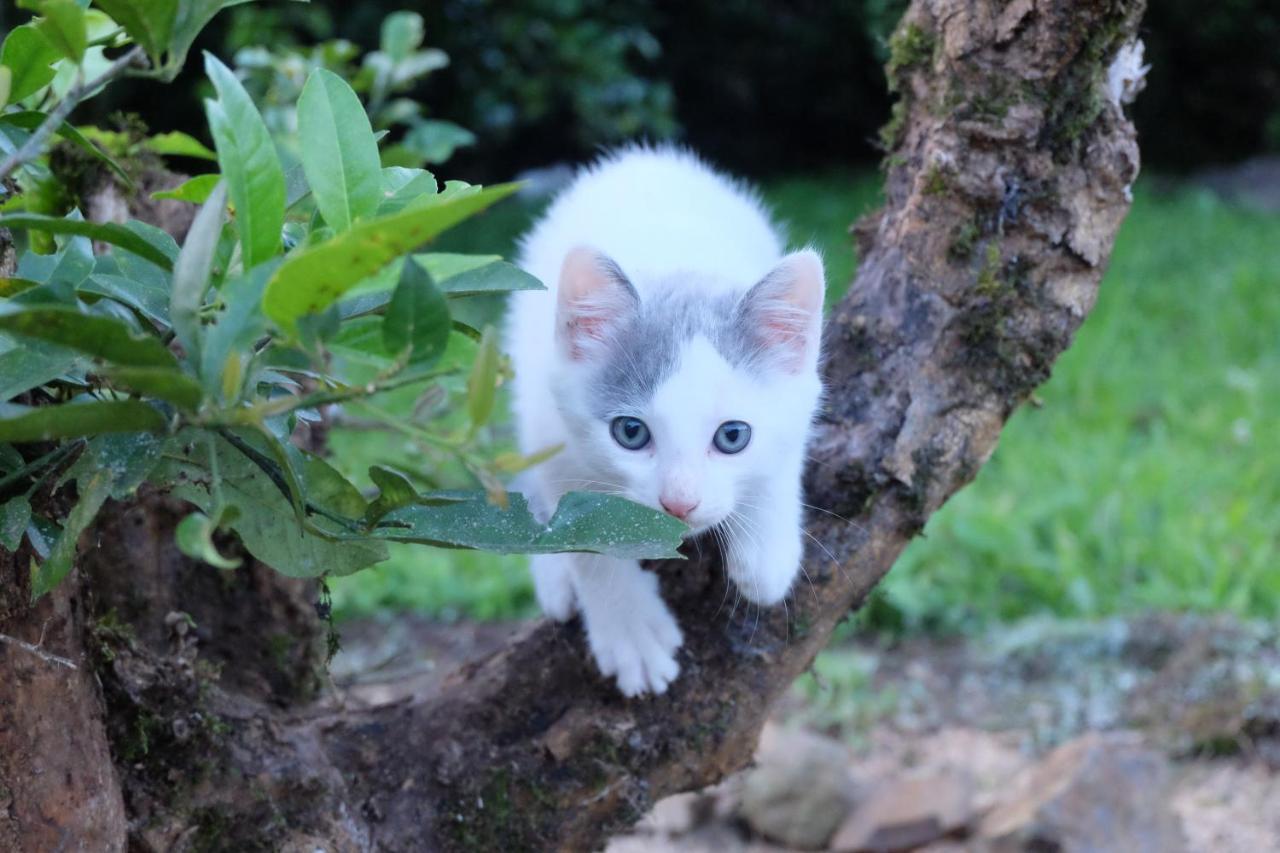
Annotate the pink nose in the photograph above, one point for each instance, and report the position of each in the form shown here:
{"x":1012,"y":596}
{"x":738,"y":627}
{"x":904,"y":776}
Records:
{"x":679,"y":507}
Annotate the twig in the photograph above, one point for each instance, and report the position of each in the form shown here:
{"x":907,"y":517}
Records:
{"x":38,"y":652}
{"x":35,"y":143}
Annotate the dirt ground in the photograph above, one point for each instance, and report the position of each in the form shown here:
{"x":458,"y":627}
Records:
{"x":1203,"y":694}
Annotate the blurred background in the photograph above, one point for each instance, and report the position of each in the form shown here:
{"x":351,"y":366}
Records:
{"x":1132,"y":510}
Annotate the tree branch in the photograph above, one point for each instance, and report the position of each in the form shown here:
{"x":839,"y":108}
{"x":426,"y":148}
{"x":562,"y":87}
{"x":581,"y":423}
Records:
{"x":47,"y":657}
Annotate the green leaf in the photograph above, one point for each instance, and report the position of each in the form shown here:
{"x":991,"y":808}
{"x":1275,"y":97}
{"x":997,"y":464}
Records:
{"x":401,"y":186}
{"x":266,"y":524}
{"x":29,"y":56}
{"x":311,"y":280}
{"x":194,"y":537}
{"x":162,"y":383}
{"x":71,"y":420}
{"x":30,"y":366}
{"x":15,"y":515}
{"x":417,"y":317}
{"x":271,"y":453}
{"x":106,"y":232}
{"x":94,"y":492}
{"x":584,"y":521}
{"x":471,"y":275}
{"x":6,"y":85}
{"x":130,"y":457}
{"x":482,"y":383}
{"x":148,"y":22}
{"x":394,"y":491}
{"x":457,"y":276}
{"x":10,"y":459}
{"x":69,"y":265}
{"x":236,"y":329}
{"x":326,"y":487}
{"x":159,"y":239}
{"x":178,"y":144}
{"x":192,"y":17}
{"x":249,"y":162}
{"x":401,"y":34}
{"x":13,"y":286}
{"x":31,"y":119}
{"x":434,"y":141}
{"x":149,"y":298}
{"x":195,"y":190}
{"x":99,"y":336}
{"x":608,"y":524}
{"x":191,"y":272}
{"x":338,"y":154}
{"x":64,"y":27}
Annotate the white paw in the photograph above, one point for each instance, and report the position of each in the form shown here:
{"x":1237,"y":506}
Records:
{"x":637,"y":645}
{"x":765,"y":576}
{"x":553,"y":585}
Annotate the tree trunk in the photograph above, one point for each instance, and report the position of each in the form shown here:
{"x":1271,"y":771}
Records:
{"x":1008,"y":172}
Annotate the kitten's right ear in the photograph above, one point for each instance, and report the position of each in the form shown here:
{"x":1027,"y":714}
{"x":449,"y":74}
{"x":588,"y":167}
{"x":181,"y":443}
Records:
{"x":593,"y":297}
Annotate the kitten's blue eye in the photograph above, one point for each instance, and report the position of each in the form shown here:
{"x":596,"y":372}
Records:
{"x":631,"y":433}
{"x":732,"y":436}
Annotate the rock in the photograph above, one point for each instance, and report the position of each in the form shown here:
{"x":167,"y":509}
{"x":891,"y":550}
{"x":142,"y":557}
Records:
{"x":678,"y":814}
{"x":1099,"y":792}
{"x":708,"y":839}
{"x":800,"y":790}
{"x":906,"y":813}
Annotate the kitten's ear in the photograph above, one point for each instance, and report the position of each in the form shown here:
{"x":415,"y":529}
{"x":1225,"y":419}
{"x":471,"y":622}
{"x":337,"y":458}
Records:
{"x":593,"y":297}
{"x":783,"y":312}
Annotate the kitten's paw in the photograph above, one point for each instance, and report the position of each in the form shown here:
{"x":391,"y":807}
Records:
{"x":637,"y":646}
{"x":553,"y":585}
{"x":765,"y":576}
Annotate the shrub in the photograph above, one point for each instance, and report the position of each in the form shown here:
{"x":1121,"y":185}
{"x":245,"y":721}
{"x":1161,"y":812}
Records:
{"x":192,"y":367}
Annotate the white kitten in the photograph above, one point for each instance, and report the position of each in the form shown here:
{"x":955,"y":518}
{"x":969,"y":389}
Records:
{"x":675,"y":356}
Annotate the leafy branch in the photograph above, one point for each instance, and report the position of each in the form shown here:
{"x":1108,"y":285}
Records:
{"x":34,"y":145}
{"x":189,"y":367}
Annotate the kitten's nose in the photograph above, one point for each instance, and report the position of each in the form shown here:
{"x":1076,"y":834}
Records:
{"x":679,"y":507}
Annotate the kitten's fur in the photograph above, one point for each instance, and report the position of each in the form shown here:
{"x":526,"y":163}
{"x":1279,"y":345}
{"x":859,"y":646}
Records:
{"x":669,"y":300}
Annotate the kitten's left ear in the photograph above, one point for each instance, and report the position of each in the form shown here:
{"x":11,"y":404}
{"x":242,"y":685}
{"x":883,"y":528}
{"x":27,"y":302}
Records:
{"x":783,"y":312}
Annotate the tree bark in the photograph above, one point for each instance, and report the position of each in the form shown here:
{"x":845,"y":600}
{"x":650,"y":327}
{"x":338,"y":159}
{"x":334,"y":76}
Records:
{"x":1008,"y":170}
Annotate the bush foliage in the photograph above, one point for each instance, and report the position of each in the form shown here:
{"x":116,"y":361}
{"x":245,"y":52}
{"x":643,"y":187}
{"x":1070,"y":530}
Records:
{"x":300,"y":285}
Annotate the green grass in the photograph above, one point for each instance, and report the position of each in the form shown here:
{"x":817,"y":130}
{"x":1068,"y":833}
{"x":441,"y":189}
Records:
{"x":1149,"y":476}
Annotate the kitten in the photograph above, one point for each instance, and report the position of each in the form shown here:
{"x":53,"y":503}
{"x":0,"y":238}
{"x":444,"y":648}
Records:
{"x":675,"y":357}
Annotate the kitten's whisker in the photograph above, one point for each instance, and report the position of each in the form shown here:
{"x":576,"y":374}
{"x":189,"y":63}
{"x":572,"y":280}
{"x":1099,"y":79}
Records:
{"x":740,"y":526}
{"x":861,"y":527}
{"x":827,"y":551}
{"x":724,"y":596}
{"x":812,"y":588}
{"x":588,"y":483}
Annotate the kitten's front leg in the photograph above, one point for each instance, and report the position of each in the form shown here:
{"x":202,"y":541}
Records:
{"x":630,"y":631}
{"x":553,"y":584}
{"x":763,"y":543}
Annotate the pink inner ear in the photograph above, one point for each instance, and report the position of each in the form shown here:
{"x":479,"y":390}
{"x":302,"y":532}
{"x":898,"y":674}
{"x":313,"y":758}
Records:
{"x":593,"y":294}
{"x":787,"y":306}
{"x":585,"y":325}
{"x":785,"y":327}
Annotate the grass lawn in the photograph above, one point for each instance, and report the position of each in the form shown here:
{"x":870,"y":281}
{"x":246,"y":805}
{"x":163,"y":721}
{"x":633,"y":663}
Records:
{"x":1148,"y":477}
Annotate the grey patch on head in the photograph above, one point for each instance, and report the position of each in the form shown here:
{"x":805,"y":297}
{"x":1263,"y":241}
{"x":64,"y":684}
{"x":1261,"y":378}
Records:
{"x":646,"y":348}
{"x":615,"y":273}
